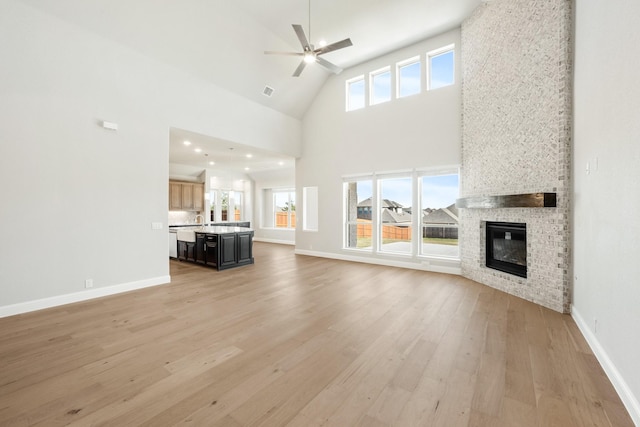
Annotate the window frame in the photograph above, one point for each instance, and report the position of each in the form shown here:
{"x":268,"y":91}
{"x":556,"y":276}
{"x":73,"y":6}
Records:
{"x":347,"y":223}
{"x":403,"y":64}
{"x":348,"y":99}
{"x":372,"y":77}
{"x":435,"y":53}
{"x":289,"y":192}
{"x":440,"y":171}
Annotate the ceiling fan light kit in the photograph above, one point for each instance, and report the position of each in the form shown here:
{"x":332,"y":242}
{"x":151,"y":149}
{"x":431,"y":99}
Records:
{"x":309,"y":53}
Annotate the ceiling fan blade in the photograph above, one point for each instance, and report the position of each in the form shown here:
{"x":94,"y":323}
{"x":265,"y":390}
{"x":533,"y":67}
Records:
{"x":334,"y":46}
{"x":298,"y":70}
{"x":328,"y":65}
{"x":272,"y":52}
{"x":301,"y":36}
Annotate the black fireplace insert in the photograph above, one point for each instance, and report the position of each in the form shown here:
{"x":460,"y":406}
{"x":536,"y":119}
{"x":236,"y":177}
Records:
{"x":507,"y":247}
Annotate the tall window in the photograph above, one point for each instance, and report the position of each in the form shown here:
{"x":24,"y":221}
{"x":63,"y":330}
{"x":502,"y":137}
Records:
{"x":226,"y":205}
{"x":412,"y":214}
{"x":355,"y":93}
{"x":380,"y":86}
{"x":237,"y":206}
{"x":439,"y":215}
{"x":395,"y":214}
{"x":284,"y":205}
{"x":358,"y":204}
{"x":408,"y":77}
{"x":213,"y":196}
{"x":440,"y":68}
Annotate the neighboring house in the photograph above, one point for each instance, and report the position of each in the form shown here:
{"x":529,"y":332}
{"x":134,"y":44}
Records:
{"x":440,"y":223}
{"x":392,"y":212}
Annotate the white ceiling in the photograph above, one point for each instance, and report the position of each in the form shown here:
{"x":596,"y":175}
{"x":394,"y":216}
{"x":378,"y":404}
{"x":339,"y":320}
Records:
{"x":223,"y":41}
{"x":227,"y":156}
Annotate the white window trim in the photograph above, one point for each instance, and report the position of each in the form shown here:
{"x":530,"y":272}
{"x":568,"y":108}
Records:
{"x":416,"y":222}
{"x":404,"y":63}
{"x":438,"y":52}
{"x":372,"y":76}
{"x":288,"y":191}
{"x":348,"y":92}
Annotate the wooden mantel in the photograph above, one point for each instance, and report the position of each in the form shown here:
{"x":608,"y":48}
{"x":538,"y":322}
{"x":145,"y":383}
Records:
{"x":530,"y":200}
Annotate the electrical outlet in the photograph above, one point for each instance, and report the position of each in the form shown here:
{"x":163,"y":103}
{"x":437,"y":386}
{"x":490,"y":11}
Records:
{"x":88,"y":283}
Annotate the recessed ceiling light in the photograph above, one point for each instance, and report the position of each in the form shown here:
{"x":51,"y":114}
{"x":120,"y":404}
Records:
{"x":322,"y":43}
{"x":212,"y":163}
{"x":281,"y":163}
{"x":197,"y":150}
{"x":249,"y":156}
{"x":187,"y":143}
{"x":246,"y":169}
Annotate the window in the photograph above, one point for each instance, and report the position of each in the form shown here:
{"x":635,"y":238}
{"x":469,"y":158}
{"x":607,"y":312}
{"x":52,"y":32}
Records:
{"x":237,"y":206}
{"x":355,"y":93}
{"x":408,"y":77}
{"x":395,"y":214}
{"x":214,"y":205}
{"x":223,"y":203}
{"x":358,"y":203}
{"x":439,"y":214}
{"x":284,"y":208}
{"x":411,"y":213}
{"x":441,"y":66}
{"x":380,"y":86}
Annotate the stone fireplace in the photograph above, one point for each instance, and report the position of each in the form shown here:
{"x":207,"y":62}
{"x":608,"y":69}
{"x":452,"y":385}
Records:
{"x":516,"y":139}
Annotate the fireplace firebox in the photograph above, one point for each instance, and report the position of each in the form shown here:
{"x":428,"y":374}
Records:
{"x":507,"y":247}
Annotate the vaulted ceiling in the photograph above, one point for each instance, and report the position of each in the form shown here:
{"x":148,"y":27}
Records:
{"x":222,"y":41}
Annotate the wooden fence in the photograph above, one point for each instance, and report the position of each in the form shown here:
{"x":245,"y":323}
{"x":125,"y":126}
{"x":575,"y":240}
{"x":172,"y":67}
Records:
{"x":281,"y":219}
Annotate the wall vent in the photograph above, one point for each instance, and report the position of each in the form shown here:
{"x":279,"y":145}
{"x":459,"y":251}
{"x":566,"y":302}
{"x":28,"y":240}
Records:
{"x":267,"y":91}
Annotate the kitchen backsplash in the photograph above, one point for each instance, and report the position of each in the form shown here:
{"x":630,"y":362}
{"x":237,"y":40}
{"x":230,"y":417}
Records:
{"x":182,"y":217}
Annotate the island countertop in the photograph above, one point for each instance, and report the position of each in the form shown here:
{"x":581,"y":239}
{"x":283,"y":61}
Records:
{"x":212,"y":229}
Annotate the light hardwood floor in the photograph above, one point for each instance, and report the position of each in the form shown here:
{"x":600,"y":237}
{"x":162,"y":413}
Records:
{"x":302,"y":341}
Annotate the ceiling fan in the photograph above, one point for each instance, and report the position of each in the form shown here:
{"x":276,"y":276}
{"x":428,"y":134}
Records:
{"x":309,"y":53}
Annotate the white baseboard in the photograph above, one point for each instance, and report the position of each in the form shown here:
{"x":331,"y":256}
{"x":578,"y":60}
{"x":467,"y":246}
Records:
{"x":436,"y":266}
{"x":278,"y":241}
{"x":626,"y":395}
{"x":28,"y":306}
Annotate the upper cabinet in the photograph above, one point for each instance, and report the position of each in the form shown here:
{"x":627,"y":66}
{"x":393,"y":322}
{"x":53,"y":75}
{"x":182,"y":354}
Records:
{"x":186,"y":196}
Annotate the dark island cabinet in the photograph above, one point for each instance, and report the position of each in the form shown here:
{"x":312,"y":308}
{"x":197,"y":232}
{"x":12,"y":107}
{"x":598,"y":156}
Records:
{"x":227,"y":254}
{"x":244,"y":245}
{"x":227,"y":248}
{"x":186,"y":251}
{"x":211,"y":250}
{"x":200,"y":248}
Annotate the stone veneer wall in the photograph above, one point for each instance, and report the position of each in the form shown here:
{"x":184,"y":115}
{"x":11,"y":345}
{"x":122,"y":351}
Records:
{"x":516,"y":137}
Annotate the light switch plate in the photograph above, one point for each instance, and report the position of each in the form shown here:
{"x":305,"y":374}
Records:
{"x":156,"y":226}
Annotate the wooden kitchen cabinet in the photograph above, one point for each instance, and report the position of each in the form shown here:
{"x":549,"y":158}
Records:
{"x":186,"y":196}
{"x":175,"y":196}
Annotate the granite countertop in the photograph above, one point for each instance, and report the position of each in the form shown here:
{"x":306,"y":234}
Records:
{"x":212,"y":229}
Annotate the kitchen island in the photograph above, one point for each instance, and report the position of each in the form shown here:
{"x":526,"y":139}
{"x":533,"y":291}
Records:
{"x":220,"y":247}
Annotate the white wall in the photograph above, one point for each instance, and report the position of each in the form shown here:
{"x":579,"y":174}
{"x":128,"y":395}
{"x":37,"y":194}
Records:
{"x":78,"y":200}
{"x":263,"y":208}
{"x":413,"y":132}
{"x":607,"y":199}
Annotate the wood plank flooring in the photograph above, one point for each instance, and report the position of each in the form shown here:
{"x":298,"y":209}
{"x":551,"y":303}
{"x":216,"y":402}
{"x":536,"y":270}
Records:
{"x":302,"y":341}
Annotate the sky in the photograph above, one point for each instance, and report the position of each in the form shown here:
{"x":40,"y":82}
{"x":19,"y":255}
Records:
{"x":438,"y":191}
